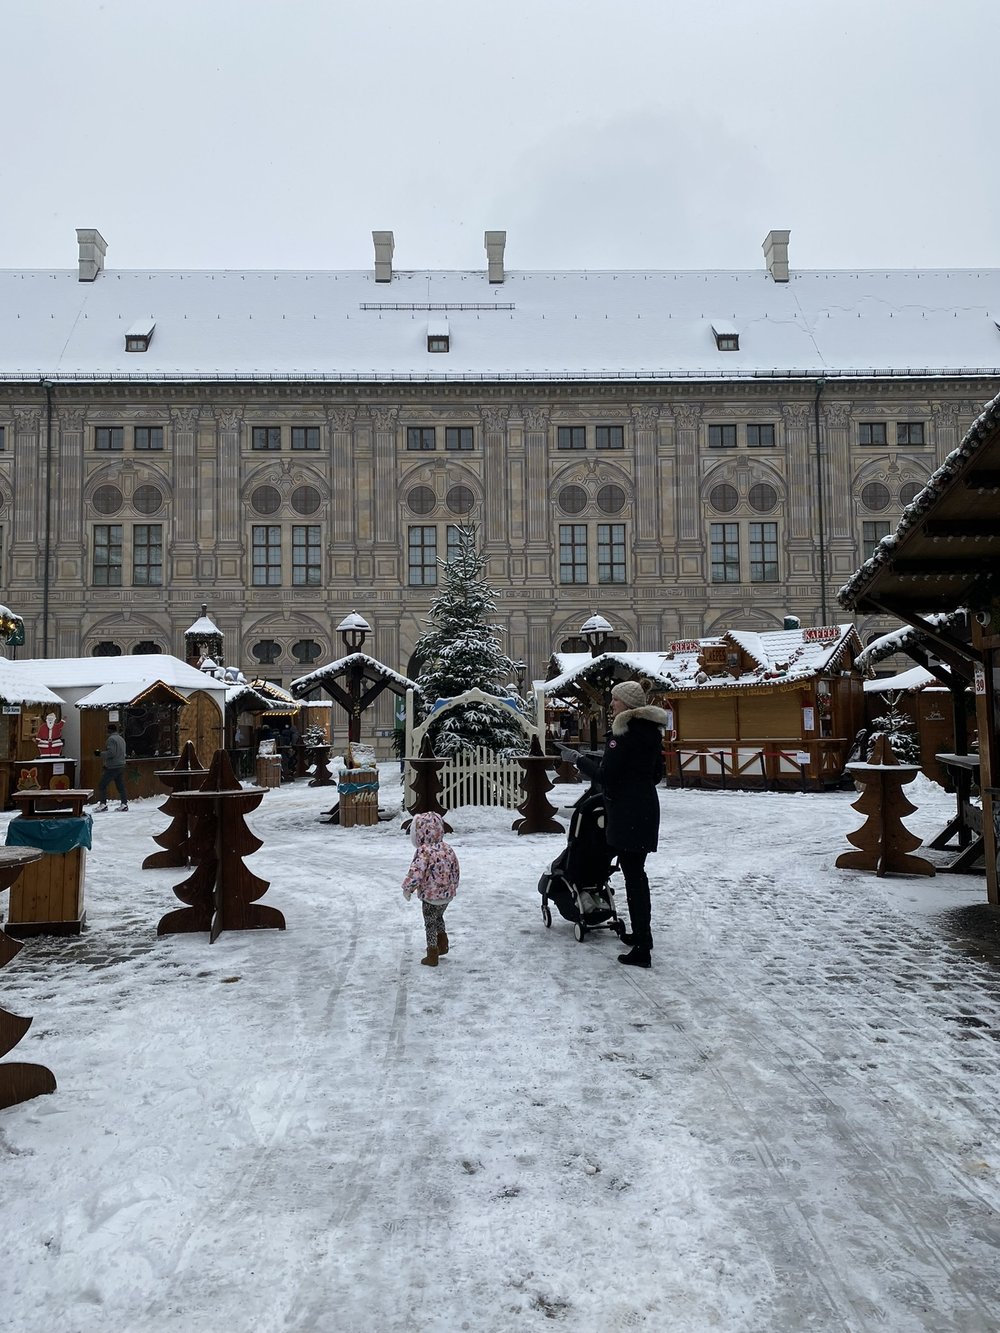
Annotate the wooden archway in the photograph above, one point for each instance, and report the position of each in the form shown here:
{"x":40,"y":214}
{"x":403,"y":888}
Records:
{"x":200,"y":721}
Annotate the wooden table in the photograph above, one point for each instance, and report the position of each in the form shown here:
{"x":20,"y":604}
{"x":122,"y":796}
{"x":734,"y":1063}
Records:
{"x":18,"y":1082}
{"x":67,"y":803}
{"x":967,"y":825}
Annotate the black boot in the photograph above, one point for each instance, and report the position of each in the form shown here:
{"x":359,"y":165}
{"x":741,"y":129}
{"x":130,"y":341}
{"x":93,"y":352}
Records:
{"x":636,"y":957}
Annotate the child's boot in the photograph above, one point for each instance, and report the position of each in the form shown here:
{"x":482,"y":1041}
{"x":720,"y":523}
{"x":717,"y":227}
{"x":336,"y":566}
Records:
{"x":432,"y":957}
{"x":442,"y":943}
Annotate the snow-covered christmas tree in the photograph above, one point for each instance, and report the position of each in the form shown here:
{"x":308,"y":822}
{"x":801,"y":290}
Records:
{"x":461,"y":651}
{"x":900,"y":730}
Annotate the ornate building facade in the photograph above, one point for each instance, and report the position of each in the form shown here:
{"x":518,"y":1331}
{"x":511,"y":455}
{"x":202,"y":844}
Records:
{"x":291,"y":447}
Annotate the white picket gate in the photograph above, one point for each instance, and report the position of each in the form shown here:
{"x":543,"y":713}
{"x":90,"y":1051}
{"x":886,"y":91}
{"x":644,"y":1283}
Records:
{"x":480,"y":777}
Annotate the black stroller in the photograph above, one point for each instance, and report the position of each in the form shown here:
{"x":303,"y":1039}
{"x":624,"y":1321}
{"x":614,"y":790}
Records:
{"x":578,"y":881}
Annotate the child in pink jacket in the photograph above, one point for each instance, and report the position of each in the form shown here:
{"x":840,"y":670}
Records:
{"x":433,"y":877}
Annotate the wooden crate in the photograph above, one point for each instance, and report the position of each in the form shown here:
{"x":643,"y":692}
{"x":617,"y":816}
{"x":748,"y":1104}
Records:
{"x":47,"y":897}
{"x":361,"y":807}
{"x":269,"y":770}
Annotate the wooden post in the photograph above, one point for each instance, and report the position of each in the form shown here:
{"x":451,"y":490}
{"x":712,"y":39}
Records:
{"x":186,"y":775}
{"x":882,"y":841}
{"x":536,"y":809}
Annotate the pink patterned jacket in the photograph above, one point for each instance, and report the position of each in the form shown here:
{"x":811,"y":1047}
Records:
{"x":433,"y":872}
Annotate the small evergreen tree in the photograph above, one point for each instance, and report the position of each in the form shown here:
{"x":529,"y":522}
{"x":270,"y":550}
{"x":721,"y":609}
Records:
{"x":899,"y":729}
{"x":461,"y":651}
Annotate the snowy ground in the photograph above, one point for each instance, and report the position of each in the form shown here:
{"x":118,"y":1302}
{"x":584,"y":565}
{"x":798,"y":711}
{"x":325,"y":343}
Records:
{"x":790,"y":1123}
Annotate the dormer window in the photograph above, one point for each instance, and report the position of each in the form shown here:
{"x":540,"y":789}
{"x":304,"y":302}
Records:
{"x":727,"y":336}
{"x":139,"y":335}
{"x":438,"y":336}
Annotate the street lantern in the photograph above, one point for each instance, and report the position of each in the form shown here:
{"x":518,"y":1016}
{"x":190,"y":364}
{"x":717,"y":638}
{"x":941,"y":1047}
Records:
{"x":354,"y":629}
{"x":597,"y":631}
{"x":520,"y":671}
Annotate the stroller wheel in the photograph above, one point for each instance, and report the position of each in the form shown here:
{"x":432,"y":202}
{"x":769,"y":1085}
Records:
{"x":580,"y":931}
{"x":546,"y":915}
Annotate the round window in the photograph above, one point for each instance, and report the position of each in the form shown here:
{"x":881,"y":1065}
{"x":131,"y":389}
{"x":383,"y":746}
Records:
{"x":108,"y":499}
{"x":421,"y":500}
{"x":266,"y":499}
{"x":306,"y":499}
{"x":572,"y":499}
{"x":762,"y":497}
{"x":460,"y":499}
{"x":875,"y":496}
{"x":724,"y":498}
{"x":148,"y":499}
{"x":909,"y":492}
{"x":611,"y":499}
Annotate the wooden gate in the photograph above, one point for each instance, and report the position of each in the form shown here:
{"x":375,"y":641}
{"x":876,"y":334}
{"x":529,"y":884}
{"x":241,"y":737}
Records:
{"x":200,"y":721}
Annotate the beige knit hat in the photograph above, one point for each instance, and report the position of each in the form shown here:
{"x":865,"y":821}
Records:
{"x":630,"y":692}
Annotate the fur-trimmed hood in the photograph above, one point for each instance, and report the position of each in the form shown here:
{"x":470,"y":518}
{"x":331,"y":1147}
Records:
{"x":648,"y":713}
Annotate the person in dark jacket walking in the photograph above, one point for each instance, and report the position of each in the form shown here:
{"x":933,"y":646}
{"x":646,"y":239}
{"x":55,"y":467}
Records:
{"x":113,"y":755}
{"x":628,"y":771}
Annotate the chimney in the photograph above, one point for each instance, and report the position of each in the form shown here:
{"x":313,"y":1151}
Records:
{"x":383,"y":255}
{"x":495,"y":242}
{"x":776,"y":254}
{"x":93,"y":248}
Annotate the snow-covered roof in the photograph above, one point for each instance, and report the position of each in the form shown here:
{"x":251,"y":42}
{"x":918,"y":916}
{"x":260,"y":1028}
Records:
{"x":372,"y":669}
{"x":780,"y":657}
{"x":900,"y":640}
{"x":138,"y":669}
{"x":947,"y":538}
{"x":342,"y":325}
{"x":18,"y":686}
{"x":917,"y":678}
{"x":121,"y":693}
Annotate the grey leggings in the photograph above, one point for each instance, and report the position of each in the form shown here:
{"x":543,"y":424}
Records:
{"x":433,"y":922}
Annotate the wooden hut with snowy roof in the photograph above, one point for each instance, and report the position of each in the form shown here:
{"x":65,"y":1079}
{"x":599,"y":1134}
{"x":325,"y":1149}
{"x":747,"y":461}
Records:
{"x":945,"y":556}
{"x":773,"y":709}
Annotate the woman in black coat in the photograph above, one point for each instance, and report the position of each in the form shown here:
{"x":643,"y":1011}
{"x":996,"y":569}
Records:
{"x":629,"y":771}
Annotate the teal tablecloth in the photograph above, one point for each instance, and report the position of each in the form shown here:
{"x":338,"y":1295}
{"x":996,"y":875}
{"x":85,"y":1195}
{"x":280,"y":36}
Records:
{"x":50,"y":835}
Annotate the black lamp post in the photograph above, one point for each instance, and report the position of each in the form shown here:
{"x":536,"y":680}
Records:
{"x":520,"y":671}
{"x":597,"y":631}
{"x":354,"y":629}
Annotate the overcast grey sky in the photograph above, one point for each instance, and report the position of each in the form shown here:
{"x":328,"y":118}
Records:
{"x":599,"y":133}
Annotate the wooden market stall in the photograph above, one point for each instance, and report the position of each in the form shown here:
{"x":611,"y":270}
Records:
{"x":945,"y":556}
{"x":774,"y":709}
{"x":150,"y":724}
{"x":33,"y":753}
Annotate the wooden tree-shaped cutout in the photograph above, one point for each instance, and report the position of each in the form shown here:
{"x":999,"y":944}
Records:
{"x":536,"y":809}
{"x":186,"y":775}
{"x":426,"y":785}
{"x":18,"y":1082}
{"x":222,"y":893}
{"x":882,"y":841}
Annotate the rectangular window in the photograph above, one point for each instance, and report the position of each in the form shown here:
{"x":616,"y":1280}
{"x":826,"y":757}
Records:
{"x":763,"y":553}
{"x":611,"y":553}
{"x":571,"y":437}
{"x":910,"y":432}
{"x":872,"y":532}
{"x":3,"y":437}
{"x":147,"y":555}
{"x":572,"y":553}
{"x":266,"y":437}
{"x":454,"y":545}
{"x":458,"y":437}
{"x":871,"y":432}
{"x":108,"y":437}
{"x":722,"y":437}
{"x":421,"y":438}
{"x":107,"y":555}
{"x":305,"y":437}
{"x":306,"y":558}
{"x":148,"y":437}
{"x":725,"y":553}
{"x":266,"y":572}
{"x":611,"y":437}
{"x":422,"y":557}
{"x":760,"y":435}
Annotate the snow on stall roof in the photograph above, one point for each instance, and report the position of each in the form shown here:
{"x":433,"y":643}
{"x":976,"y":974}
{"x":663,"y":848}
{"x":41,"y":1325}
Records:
{"x":203,"y":625}
{"x":791,"y":653}
{"x":18,"y":686}
{"x":136,"y":668}
{"x":303,"y":684}
{"x":898,"y":640}
{"x":916,"y":678}
{"x":937,"y":483}
{"x":341,"y":325}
